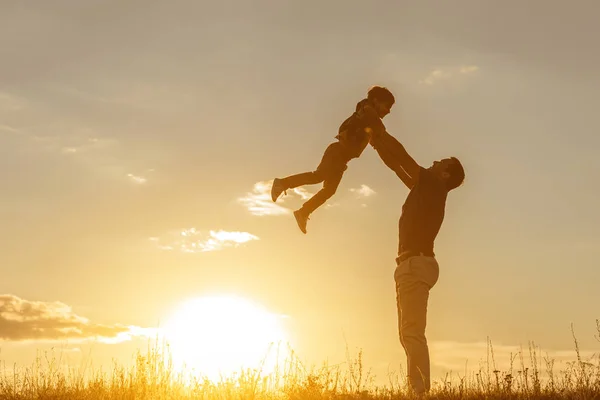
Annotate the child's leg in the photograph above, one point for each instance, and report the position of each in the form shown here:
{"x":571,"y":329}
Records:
{"x":305,"y":178}
{"x":332,"y":162}
{"x":330,"y":185}
{"x":331,"y":168}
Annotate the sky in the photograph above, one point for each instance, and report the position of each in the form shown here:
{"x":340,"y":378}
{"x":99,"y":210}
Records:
{"x":138,"y":141}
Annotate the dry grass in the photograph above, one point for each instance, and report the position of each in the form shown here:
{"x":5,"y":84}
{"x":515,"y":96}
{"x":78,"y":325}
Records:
{"x":153,"y":377}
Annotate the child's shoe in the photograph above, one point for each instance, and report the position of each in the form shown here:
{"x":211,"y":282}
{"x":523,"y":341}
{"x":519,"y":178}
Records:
{"x":301,"y":219}
{"x":277,"y":189}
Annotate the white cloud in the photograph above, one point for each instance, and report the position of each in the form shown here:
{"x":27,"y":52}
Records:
{"x":194,"y":241}
{"x":467,"y":69}
{"x":441,"y":74}
{"x":303,"y":193}
{"x":132,"y":332}
{"x":259,"y":202}
{"x":140,"y":179}
{"x":363,"y":191}
{"x":235,"y":237}
{"x":137,"y":179}
{"x":221,"y":239}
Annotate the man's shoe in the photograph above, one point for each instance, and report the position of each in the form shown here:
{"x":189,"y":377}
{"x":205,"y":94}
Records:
{"x":301,"y":219}
{"x":277,"y":189}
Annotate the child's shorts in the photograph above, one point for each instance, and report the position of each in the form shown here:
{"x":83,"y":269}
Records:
{"x":335,"y":160}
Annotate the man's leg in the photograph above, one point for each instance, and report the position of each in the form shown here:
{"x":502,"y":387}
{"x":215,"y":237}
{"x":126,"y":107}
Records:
{"x":414,"y":278}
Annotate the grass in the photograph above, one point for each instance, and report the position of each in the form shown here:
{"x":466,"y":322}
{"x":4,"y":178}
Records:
{"x":153,"y":377}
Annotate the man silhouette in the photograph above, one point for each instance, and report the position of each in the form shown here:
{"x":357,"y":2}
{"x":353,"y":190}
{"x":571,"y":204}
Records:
{"x":417,"y":270}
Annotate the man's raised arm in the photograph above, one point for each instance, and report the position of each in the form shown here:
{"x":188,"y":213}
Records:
{"x":394,"y":155}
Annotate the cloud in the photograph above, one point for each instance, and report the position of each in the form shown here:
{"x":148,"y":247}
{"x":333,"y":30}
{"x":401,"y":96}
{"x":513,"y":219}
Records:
{"x":24,"y":320}
{"x":101,"y":155}
{"x":467,"y":69}
{"x":220,"y":239}
{"x":441,"y":74}
{"x":134,"y":95}
{"x":363,"y":191}
{"x":81,"y":145}
{"x":10,"y":129}
{"x":193,"y":241}
{"x":435,"y":75}
{"x":95,"y":152}
{"x":75,"y":144}
{"x":137,"y":179}
{"x":303,"y":193}
{"x":259,"y":202}
{"x":453,"y":355}
{"x":9,"y":102}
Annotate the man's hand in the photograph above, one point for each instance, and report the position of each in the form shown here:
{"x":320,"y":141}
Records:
{"x":375,"y":135}
{"x":374,"y":125}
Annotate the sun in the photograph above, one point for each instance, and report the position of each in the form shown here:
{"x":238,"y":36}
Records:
{"x":218,"y":336}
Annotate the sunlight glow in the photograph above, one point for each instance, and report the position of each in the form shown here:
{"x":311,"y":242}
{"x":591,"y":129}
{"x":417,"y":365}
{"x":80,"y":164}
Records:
{"x":221,"y":335}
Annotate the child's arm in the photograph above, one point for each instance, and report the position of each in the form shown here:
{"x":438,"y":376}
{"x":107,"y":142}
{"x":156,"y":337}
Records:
{"x":368,"y":114}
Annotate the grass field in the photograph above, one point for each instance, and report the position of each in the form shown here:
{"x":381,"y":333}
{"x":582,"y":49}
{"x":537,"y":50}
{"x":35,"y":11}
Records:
{"x":153,"y":377}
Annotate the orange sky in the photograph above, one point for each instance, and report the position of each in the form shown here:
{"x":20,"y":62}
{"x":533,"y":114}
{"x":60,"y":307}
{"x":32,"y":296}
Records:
{"x":124,"y":126}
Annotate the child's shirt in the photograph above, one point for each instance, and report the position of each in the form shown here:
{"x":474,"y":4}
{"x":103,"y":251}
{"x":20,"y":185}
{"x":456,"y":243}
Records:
{"x":353,"y":133}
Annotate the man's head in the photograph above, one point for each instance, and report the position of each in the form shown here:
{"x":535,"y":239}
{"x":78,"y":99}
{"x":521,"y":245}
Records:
{"x":382,"y":99}
{"x":450,"y":170}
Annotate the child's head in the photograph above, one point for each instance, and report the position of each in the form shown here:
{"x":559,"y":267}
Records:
{"x":382,"y":99}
